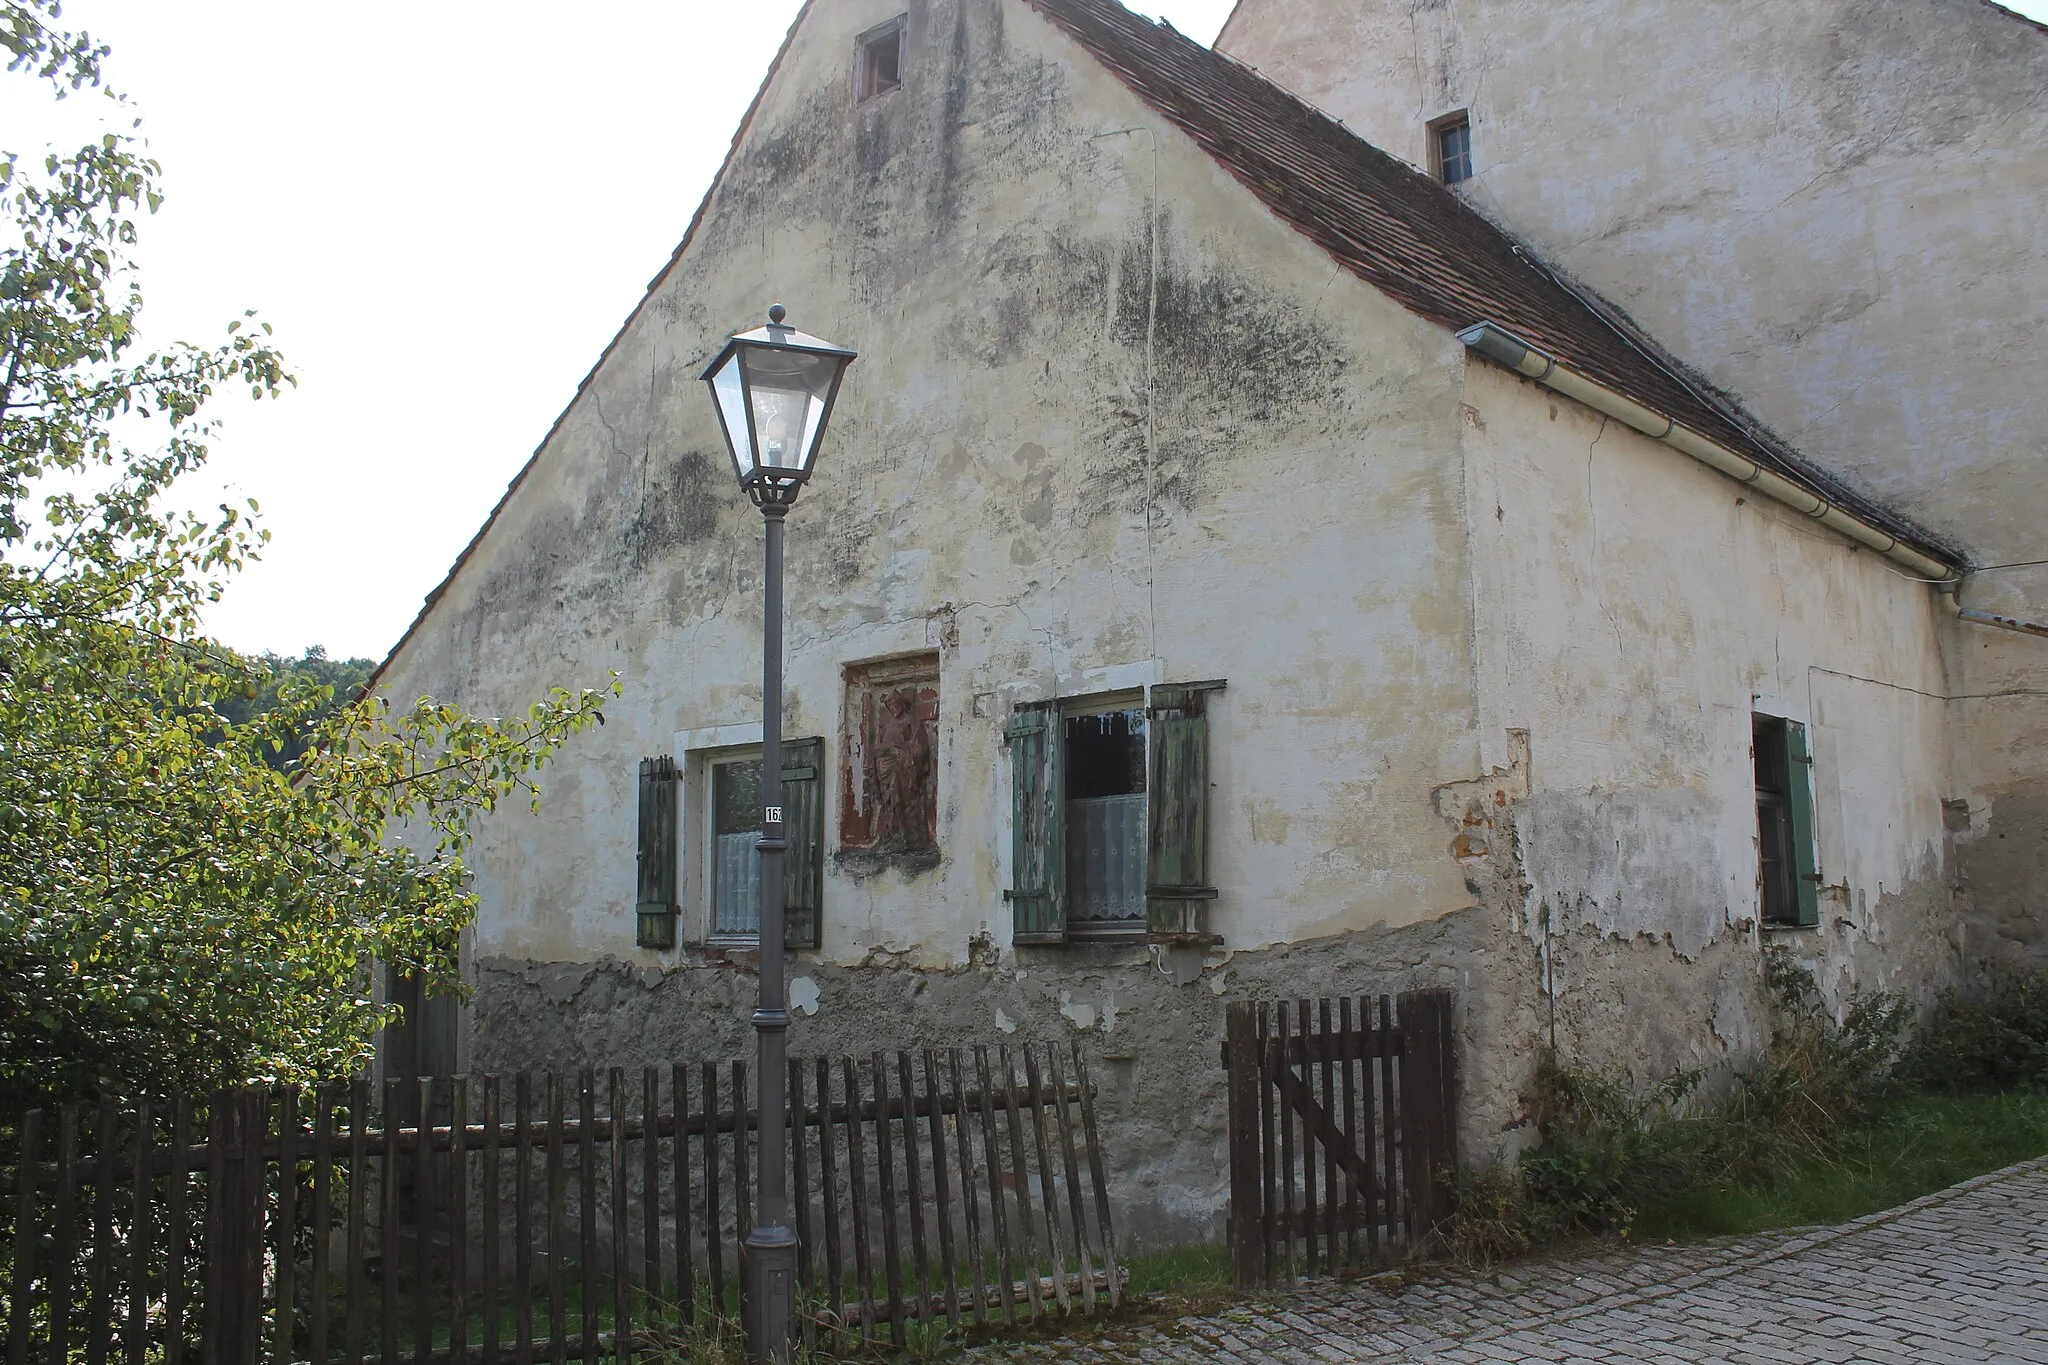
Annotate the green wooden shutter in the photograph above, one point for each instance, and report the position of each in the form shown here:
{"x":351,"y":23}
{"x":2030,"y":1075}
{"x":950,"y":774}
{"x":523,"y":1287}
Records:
{"x":1037,"y":861}
{"x":657,"y":879}
{"x":1177,"y":892}
{"x":1799,"y":800}
{"x":803,"y":825}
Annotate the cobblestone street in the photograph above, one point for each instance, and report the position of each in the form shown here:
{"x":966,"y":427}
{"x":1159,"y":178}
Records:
{"x":1960,"y":1275}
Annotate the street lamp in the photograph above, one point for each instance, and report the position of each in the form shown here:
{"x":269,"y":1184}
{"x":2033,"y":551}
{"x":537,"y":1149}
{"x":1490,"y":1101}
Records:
{"x":773,"y":388}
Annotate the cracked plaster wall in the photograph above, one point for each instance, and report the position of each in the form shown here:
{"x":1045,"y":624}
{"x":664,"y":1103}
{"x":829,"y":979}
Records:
{"x":1830,"y":208}
{"x":1151,"y":1029}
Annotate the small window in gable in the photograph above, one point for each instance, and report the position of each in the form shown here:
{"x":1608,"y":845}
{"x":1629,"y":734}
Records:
{"x":1450,"y":140}
{"x":878,"y":61}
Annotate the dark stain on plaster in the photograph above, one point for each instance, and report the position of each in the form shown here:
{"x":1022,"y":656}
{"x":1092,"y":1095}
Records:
{"x":1230,"y":354}
{"x":942,"y":199}
{"x":679,"y":507}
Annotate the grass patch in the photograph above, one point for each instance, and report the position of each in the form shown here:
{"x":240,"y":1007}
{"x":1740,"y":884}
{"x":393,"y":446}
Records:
{"x":1844,"y":1114}
{"x":1187,"y":1271}
{"x":1925,"y":1142}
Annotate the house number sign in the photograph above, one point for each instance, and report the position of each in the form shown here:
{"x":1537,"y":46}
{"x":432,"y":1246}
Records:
{"x":772,"y":815}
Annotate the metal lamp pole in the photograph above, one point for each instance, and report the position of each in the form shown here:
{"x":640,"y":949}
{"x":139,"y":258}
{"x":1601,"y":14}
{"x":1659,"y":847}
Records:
{"x":770,"y":1310}
{"x":773,"y":389}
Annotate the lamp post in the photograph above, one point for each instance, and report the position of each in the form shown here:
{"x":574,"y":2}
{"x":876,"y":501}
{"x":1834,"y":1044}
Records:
{"x":773,"y":388}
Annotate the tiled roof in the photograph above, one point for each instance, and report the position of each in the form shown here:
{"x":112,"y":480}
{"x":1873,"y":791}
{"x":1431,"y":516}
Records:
{"x":1416,"y":241}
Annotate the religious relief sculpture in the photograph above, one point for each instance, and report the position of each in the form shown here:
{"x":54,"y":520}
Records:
{"x":889,"y":772}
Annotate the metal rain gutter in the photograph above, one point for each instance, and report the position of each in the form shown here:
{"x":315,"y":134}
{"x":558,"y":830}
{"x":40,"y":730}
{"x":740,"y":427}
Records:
{"x":1503,"y":347}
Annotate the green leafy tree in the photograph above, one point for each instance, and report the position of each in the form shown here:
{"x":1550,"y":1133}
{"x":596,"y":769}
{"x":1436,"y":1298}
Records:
{"x":179,"y":906}
{"x":342,"y":677}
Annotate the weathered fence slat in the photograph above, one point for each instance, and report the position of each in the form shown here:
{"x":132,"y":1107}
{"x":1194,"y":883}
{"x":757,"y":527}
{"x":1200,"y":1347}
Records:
{"x":317,"y":1291}
{"x":286,"y":1251}
{"x":998,"y":1226}
{"x":1048,"y":1200}
{"x":650,"y":1188}
{"x":912,"y":1183}
{"x":857,"y":1184}
{"x":941,"y":1187}
{"x":885,"y":1171}
{"x":1098,"y":1177}
{"x":1366,"y":1099}
{"x":1027,"y":1230}
{"x":714,"y":1256}
{"x":800,"y":1201}
{"x":358,"y":1200}
{"x":621,"y":1202}
{"x":1071,"y":1166}
{"x":833,"y":1294}
{"x":141,"y":1235}
{"x":422,"y":1218}
{"x":742,"y":1194}
{"x":18,"y":1319}
{"x":491,"y":1248}
{"x":686,"y":1267}
{"x":458,"y":1221}
{"x":1390,"y":1122}
{"x":329,"y":1227}
{"x":586,"y":1205}
{"x":522,"y":1219}
{"x":99,"y":1306}
{"x":557,"y":1260}
{"x":63,"y":1253}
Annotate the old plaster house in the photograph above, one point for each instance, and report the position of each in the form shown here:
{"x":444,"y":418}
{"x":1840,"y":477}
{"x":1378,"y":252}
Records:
{"x":1243,"y":564}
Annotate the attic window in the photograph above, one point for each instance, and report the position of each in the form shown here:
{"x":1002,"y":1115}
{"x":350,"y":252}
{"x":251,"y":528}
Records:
{"x":878,"y":62}
{"x":1450,"y":142}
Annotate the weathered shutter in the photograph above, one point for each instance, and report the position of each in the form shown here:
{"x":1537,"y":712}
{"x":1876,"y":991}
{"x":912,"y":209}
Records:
{"x":1037,"y":863}
{"x":1177,"y":892}
{"x":1799,"y":801}
{"x":657,"y":880}
{"x":803,"y":826}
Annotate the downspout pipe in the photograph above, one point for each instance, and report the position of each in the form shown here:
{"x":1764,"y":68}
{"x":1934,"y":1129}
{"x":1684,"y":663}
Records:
{"x":1504,"y":348}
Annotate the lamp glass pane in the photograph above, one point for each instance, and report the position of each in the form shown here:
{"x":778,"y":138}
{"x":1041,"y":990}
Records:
{"x":732,"y":412}
{"x":789,"y":390}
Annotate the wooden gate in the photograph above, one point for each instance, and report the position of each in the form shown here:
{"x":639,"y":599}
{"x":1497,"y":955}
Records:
{"x":1341,"y":1131}
{"x":585,"y":1216}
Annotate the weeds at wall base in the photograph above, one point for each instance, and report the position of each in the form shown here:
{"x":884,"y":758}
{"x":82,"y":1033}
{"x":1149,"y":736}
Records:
{"x":1839,"y":1117}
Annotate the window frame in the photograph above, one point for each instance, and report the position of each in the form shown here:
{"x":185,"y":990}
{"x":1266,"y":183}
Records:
{"x":865,"y":84}
{"x":804,"y":829}
{"x":1176,"y":825}
{"x":1785,"y":745}
{"x":1439,"y":166}
{"x":712,"y":762}
{"x":1076,"y":708}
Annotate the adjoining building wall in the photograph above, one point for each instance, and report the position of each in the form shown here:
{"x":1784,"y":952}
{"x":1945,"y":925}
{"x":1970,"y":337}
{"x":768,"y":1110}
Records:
{"x":1832,"y":210}
{"x":1635,"y":610}
{"x":1113,"y":426}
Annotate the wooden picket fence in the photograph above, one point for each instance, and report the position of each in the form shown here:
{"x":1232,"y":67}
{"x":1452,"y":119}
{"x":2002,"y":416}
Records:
{"x":1342,"y":1131}
{"x":551,"y":1218}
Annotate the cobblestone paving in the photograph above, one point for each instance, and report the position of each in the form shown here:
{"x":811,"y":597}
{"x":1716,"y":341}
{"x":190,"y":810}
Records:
{"x":1961,"y":1275}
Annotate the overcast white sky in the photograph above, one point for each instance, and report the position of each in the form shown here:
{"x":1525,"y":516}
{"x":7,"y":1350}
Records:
{"x":446,"y":208}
